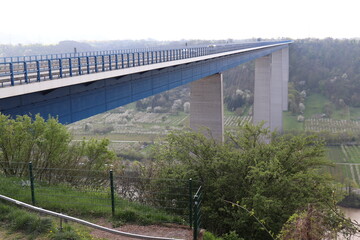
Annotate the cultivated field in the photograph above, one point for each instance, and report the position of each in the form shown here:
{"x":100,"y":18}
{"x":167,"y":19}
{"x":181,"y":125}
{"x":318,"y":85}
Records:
{"x":331,"y":125}
{"x":128,"y":129}
{"x":347,"y":163}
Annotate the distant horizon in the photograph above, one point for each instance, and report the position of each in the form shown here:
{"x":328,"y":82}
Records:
{"x":26,"y":43}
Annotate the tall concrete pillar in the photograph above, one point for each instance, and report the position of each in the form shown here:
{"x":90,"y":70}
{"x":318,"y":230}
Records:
{"x":268,"y":101}
{"x":261,"y":111}
{"x":285,"y":69}
{"x":206,"y":105}
{"x":276,"y":91}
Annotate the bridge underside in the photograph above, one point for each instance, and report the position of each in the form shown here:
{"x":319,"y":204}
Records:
{"x":81,"y":101}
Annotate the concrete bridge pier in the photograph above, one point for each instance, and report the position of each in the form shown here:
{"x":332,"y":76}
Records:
{"x":269,"y":89}
{"x":285,"y":77}
{"x":206,"y":106}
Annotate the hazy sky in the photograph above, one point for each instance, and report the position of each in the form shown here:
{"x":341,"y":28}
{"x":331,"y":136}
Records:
{"x":51,"y":21}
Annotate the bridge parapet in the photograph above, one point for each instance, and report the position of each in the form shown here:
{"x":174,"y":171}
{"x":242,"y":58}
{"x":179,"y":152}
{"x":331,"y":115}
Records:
{"x":27,"y":69}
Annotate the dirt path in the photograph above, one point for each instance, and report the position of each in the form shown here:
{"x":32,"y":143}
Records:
{"x":170,"y":230}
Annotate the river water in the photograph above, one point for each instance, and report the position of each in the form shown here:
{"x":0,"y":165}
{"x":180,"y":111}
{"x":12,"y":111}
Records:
{"x":354,"y":214}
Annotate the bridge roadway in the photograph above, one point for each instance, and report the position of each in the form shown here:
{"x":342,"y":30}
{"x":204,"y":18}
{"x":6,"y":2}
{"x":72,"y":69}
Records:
{"x":30,"y":69}
{"x":84,"y":84}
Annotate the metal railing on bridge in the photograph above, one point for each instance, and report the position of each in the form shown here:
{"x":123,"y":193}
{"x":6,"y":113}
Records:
{"x":27,"y":69}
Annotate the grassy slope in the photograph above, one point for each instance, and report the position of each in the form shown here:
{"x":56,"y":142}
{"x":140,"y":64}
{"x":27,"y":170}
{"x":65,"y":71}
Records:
{"x":338,"y":154}
{"x":314,"y":105}
{"x":290,"y":123}
{"x":19,"y":223}
{"x":84,"y":202}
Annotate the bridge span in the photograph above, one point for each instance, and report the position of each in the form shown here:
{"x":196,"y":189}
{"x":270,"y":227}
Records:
{"x":77,"y":86}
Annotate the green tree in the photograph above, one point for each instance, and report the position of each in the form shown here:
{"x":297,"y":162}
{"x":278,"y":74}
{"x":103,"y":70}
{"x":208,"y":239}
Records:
{"x":47,"y":144}
{"x":271,"y":180}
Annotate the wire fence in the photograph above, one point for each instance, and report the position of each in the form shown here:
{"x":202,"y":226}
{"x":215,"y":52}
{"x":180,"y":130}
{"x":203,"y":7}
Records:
{"x":79,"y":191}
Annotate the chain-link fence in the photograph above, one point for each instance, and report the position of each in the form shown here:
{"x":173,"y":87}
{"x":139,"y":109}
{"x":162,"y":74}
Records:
{"x":77,"y":191}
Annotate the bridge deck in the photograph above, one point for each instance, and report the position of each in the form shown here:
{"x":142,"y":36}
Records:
{"x":45,"y":74}
{"x":75,"y":88}
{"x":27,"y":71}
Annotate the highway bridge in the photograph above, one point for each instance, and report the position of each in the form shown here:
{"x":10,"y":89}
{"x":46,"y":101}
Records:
{"x":74,"y":86}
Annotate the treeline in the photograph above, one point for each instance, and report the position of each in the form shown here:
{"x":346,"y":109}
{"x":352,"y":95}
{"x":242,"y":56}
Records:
{"x":329,"y":66}
{"x":8,"y":50}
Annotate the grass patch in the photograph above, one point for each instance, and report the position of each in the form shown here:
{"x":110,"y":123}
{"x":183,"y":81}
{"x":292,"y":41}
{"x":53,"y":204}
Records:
{"x":290,"y":123}
{"x":30,"y":224}
{"x":314,"y":104}
{"x":85,"y":202}
{"x":17,"y":223}
{"x":228,"y":113}
{"x":341,"y":114}
{"x":348,"y":172}
{"x":355,"y":113}
{"x":335,"y":154}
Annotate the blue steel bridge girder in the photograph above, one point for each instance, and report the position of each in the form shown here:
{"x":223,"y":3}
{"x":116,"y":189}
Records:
{"x":80,"y":101}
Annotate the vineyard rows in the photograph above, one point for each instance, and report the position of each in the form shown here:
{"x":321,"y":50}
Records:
{"x":331,"y":125}
{"x":347,"y":163}
{"x":233,"y":121}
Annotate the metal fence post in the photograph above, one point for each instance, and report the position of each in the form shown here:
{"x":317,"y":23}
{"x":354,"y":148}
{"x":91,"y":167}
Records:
{"x":25,"y":72}
{"x":190,"y":203}
{"x":60,"y":68}
{"x":96,"y":64}
{"x":79,"y":65}
{"x":11,"y":74}
{"x":38,"y":75}
{"x":32,"y":184}
{"x":112,"y":193}
{"x":110,"y":67}
{"x":49,"y":69}
{"x":116,"y":61}
{"x":87,"y":65}
{"x":195,"y":232}
{"x":70,"y":67}
{"x":103,"y":62}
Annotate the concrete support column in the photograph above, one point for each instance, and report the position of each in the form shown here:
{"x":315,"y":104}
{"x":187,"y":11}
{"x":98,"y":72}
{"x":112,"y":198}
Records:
{"x":276,"y":92}
{"x":206,"y":105}
{"x":285,"y":69}
{"x":268,"y":101}
{"x":261,"y":111}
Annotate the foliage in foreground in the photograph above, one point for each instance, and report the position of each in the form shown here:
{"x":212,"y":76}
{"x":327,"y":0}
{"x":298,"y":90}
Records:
{"x":317,"y":224}
{"x":271,"y":181}
{"x":34,"y":226}
{"x":47,"y":144}
{"x":87,"y":202}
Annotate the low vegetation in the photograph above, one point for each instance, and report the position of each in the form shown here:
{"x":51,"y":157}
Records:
{"x":271,"y":181}
{"x":28,"y":225}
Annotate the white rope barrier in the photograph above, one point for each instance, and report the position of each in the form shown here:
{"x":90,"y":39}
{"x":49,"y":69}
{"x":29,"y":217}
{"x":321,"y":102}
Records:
{"x":86,"y":223}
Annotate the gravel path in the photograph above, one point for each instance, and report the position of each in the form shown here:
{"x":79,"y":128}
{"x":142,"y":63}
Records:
{"x":170,"y":230}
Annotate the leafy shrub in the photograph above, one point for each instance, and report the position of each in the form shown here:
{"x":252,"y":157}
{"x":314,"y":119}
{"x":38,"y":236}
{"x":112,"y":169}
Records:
{"x":47,"y":144}
{"x":232,"y":235}
{"x":127,"y":215}
{"x":210,"y":236}
{"x":263,"y":177}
